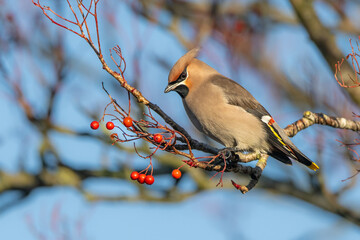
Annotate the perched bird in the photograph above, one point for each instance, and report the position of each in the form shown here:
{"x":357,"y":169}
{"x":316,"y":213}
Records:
{"x":228,"y":113}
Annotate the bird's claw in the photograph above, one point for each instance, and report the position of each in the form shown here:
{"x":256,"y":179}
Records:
{"x":228,"y":153}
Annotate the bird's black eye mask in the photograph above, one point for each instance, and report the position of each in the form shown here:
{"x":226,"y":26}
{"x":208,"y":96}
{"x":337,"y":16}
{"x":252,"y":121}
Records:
{"x":181,"y":78}
{"x":182,"y":90}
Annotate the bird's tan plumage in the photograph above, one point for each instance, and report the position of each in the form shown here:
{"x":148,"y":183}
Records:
{"x":228,"y":113}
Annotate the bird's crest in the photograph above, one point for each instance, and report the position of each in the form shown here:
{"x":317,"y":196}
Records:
{"x":181,"y":64}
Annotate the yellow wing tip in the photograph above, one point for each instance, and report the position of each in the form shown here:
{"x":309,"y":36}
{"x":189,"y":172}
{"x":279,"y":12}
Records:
{"x":313,"y":166}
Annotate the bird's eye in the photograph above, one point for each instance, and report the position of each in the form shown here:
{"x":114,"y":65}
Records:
{"x":183,"y":75}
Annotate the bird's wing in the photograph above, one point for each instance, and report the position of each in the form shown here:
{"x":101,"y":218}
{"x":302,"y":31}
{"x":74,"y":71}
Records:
{"x":239,"y":96}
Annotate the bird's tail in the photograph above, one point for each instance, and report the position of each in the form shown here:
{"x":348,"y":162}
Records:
{"x":282,"y":148}
{"x":295,"y":154}
{"x":305,"y":160}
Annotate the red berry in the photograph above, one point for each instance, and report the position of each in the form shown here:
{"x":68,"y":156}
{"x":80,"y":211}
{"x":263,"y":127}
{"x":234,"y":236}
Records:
{"x":128,"y":122}
{"x":176,"y":173}
{"x":110,"y":125}
{"x":141,"y":178}
{"x":149,"y":180}
{"x":94,"y":125}
{"x":158,"y":138}
{"x":134,"y":175}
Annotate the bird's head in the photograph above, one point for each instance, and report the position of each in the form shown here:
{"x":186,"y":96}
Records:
{"x":179,"y":76}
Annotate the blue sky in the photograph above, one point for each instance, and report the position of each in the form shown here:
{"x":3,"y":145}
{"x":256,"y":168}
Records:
{"x":217,"y":214}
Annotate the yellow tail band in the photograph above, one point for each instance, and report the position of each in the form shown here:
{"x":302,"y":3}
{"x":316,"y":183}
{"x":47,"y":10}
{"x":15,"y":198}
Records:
{"x":313,"y":166}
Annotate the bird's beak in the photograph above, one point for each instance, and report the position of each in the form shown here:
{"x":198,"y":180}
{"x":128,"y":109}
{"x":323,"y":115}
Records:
{"x":170,"y":87}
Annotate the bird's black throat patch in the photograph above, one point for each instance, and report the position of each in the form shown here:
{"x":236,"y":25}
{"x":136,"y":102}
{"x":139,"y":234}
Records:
{"x":182,"y":90}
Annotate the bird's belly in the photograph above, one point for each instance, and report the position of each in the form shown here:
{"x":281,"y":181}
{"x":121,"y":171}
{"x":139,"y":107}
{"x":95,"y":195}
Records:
{"x":228,"y":125}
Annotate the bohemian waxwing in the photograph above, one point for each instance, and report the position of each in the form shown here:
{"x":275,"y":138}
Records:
{"x":228,"y":113}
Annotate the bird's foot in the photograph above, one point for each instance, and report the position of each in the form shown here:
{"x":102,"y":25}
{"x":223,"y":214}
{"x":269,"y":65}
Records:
{"x":229,"y":153}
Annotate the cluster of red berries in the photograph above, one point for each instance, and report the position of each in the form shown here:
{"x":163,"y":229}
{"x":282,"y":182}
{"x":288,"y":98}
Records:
{"x":149,"y":179}
{"x":142,"y":178}
{"x":128,"y":122}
